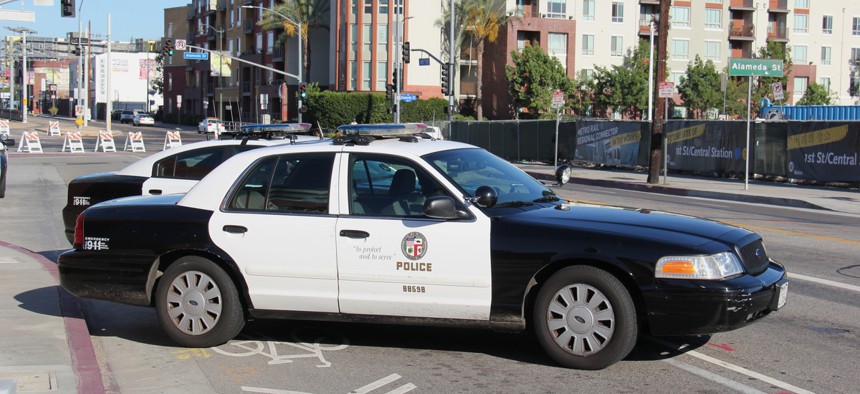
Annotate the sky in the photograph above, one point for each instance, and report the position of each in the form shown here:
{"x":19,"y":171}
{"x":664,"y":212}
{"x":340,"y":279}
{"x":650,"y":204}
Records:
{"x":129,"y":18}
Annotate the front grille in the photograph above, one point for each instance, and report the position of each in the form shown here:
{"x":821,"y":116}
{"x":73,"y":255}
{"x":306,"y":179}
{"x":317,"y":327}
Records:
{"x":754,"y":257}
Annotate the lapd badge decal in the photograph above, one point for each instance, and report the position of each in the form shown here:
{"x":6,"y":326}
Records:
{"x":413,"y":246}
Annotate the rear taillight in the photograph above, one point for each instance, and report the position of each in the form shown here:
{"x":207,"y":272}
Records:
{"x":79,"y":232}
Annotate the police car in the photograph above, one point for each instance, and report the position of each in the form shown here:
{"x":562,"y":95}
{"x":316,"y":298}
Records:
{"x":174,"y":170}
{"x":383,"y":225}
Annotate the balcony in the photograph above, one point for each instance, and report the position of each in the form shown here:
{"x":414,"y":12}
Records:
{"x":778,"y":6}
{"x":742,"y":5}
{"x":528,"y":11}
{"x":278,"y":53}
{"x":744,"y":32}
{"x":777,"y":33}
{"x":649,"y":2}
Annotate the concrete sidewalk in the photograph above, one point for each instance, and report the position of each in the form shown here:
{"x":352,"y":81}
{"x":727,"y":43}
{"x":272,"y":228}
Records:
{"x":844,"y":200}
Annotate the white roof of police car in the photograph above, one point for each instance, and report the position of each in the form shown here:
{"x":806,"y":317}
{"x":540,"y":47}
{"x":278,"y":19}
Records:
{"x":144,"y":166}
{"x":209,"y":192}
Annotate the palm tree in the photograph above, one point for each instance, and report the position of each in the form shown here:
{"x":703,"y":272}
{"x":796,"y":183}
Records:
{"x":309,"y":14}
{"x":483,"y":20}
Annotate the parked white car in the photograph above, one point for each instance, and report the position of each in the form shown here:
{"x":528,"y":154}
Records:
{"x":142,"y":119}
{"x":210,"y":125}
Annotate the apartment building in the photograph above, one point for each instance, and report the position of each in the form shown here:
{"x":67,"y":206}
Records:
{"x":358,"y":50}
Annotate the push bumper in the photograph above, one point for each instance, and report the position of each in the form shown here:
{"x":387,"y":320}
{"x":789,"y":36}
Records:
{"x":687,"y":307}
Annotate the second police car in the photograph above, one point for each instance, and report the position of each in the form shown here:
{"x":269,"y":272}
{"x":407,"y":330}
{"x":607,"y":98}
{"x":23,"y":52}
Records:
{"x":381,"y":225}
{"x":174,"y":170}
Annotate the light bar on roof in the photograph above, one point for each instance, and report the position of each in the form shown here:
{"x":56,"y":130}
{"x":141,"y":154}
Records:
{"x":383,"y":129}
{"x":277,"y":128}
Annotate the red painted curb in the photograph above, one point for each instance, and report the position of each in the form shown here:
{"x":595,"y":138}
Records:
{"x":84,"y":362}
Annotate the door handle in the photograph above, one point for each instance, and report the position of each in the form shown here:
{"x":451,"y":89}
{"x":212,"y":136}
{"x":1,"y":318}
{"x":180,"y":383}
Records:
{"x":235,"y":229}
{"x":354,"y":234}
{"x":155,"y":192}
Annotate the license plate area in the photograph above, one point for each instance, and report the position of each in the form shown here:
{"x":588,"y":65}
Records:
{"x":780,"y":297}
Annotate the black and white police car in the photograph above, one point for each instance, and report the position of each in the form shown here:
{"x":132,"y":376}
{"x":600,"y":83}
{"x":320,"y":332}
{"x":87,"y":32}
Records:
{"x":382,"y":225}
{"x":174,"y":170}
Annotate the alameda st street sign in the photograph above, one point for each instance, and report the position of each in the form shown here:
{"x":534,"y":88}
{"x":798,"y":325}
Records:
{"x":739,"y":67}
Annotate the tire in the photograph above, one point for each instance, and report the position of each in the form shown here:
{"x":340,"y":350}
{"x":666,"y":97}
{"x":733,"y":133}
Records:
{"x":194,"y":319}
{"x":569,"y":330}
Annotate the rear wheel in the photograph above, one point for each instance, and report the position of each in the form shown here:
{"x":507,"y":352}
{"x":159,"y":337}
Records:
{"x":197,"y":303}
{"x":584,"y":318}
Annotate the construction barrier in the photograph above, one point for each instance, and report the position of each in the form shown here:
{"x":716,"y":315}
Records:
{"x":30,"y":142}
{"x":105,"y":140}
{"x":172,"y":140}
{"x":54,"y":128}
{"x":4,"y":126}
{"x":135,"y":140}
{"x":73,"y":142}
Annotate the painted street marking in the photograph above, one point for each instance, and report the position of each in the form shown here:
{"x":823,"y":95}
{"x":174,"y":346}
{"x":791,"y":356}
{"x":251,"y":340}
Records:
{"x":731,"y":367}
{"x":840,"y":285}
{"x":312,"y":348}
{"x":723,"y":346}
{"x":363,"y":390}
{"x":270,"y":391}
{"x":186,"y":354}
{"x":796,"y":233}
{"x":713,"y":377}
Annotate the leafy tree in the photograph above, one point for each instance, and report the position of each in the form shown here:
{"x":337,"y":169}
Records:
{"x":483,"y":20}
{"x":157,"y":84}
{"x":736,"y":96}
{"x":815,"y":95}
{"x":308,"y":14}
{"x":534,"y":77}
{"x":763,"y":86}
{"x":700,"y":87}
{"x":624,"y":87}
{"x":582,"y":100}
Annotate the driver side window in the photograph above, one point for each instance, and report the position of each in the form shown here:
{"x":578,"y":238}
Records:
{"x":389,"y":186}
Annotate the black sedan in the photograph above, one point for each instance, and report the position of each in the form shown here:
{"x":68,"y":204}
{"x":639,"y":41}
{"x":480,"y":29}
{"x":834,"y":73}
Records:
{"x":384,"y":224}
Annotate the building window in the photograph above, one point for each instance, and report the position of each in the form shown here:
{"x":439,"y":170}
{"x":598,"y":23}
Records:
{"x":680,"y":49}
{"x":712,"y":51}
{"x":586,"y":75}
{"x":353,"y":75}
{"x":825,"y":56}
{"x":801,"y":4}
{"x":381,"y":75}
{"x":382,"y":41}
{"x":354,"y":40}
{"x":679,"y":16}
{"x":365,"y":76}
{"x":588,"y":10}
{"x":617,"y":12}
{"x":366,"y":41}
{"x":169,"y":81}
{"x":383,"y":7}
{"x":231,"y":19}
{"x":827,"y":24}
{"x":855,"y":55}
{"x":259,"y":46}
{"x":676,"y":78}
{"x":825,"y":81}
{"x":855,"y":26}
{"x":270,"y":42}
{"x":558,"y":47}
{"x":713,"y":18}
{"x":556,"y":9}
{"x":238,"y":17}
{"x":230,"y":48}
{"x":617,"y":46}
{"x":645,"y":15}
{"x":588,"y":44}
{"x":798,"y":54}
{"x":801,"y":23}
{"x":800,"y":85}
{"x":368,"y":6}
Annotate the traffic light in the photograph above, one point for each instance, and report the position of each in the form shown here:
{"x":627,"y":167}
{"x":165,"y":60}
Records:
{"x":67,"y":8}
{"x":406,"y":52}
{"x":394,"y":78}
{"x":167,"y":49}
{"x":447,"y":86}
{"x":77,"y":51}
{"x":303,"y":91}
{"x":389,"y":91}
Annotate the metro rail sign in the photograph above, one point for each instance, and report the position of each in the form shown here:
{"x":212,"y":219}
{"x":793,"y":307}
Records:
{"x":739,"y":67}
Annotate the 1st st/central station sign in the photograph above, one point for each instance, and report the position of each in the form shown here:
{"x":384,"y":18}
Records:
{"x":739,"y":67}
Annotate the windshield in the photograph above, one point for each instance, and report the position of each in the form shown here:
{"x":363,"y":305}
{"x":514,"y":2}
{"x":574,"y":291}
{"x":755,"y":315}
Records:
{"x":472,"y":168}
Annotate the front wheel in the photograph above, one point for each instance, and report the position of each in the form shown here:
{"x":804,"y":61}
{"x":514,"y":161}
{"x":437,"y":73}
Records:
{"x":197,"y":304}
{"x":584,"y":318}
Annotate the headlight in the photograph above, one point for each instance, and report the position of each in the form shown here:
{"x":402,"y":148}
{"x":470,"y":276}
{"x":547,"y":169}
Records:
{"x":717,"y":266}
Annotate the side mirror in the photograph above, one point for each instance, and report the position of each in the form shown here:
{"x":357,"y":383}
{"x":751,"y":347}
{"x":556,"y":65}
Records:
{"x":562,"y":174}
{"x":442,"y":207}
{"x":485,"y":196}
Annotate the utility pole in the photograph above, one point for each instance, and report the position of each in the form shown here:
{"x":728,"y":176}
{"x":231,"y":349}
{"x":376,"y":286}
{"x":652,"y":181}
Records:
{"x":108,"y":71}
{"x":398,"y":74}
{"x":656,"y":153}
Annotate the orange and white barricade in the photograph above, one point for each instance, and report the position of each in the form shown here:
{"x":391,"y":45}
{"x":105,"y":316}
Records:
{"x":54,"y":128}
{"x":30,"y":142}
{"x":4,"y":126}
{"x":105,"y":141}
{"x":172,"y":140}
{"x":73,"y":142}
{"x":135,"y":140}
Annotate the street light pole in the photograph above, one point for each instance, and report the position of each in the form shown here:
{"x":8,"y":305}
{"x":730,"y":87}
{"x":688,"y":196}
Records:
{"x":298,"y":47}
{"x":25,"y":96}
{"x":220,"y":74}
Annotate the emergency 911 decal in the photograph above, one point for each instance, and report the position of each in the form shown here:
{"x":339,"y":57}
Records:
{"x":414,"y":246}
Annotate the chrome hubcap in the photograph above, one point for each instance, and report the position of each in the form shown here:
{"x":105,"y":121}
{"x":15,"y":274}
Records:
{"x":194,"y":303}
{"x":581,"y":319}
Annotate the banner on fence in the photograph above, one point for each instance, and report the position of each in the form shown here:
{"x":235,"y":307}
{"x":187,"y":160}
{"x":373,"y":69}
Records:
{"x":105,"y":140}
{"x":54,"y":128}
{"x":135,"y":141}
{"x":73,"y":142}
{"x":610,"y":143}
{"x":706,"y":147}
{"x":30,"y":142}
{"x":824,"y":151}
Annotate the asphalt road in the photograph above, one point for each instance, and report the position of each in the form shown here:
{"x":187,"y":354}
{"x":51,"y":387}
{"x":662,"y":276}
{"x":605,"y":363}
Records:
{"x":809,"y":346}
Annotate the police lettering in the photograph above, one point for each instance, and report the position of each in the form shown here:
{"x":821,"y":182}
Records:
{"x":413,"y":266}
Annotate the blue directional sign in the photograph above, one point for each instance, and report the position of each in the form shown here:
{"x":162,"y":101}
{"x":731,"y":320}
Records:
{"x":196,"y":55}
{"x":406,"y":97}
{"x":424,"y":61}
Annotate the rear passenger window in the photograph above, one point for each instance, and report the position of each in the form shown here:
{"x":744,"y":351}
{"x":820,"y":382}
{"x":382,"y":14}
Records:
{"x":193,"y":165}
{"x":288,"y":183}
